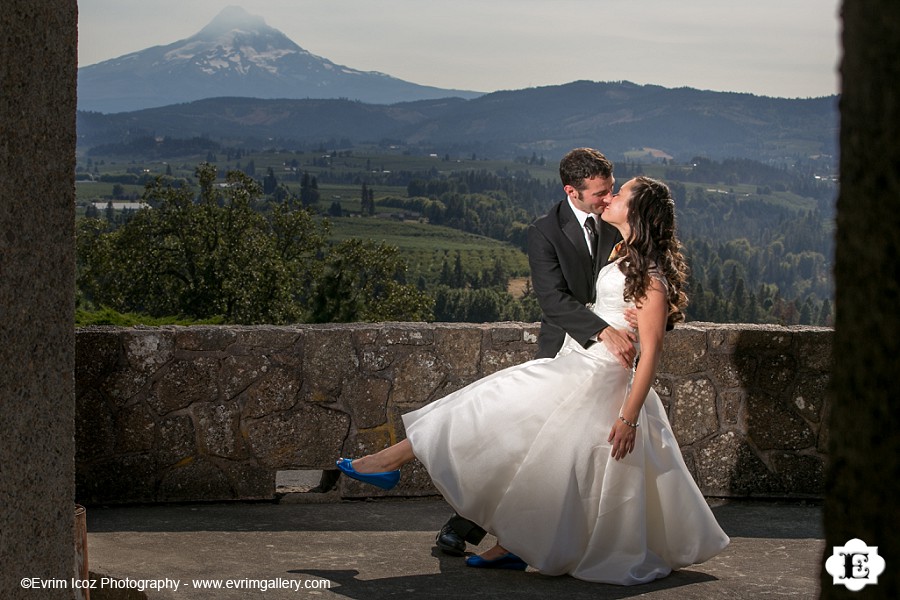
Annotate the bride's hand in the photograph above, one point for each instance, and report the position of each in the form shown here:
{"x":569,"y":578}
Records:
{"x":631,"y":318}
{"x":622,"y":439}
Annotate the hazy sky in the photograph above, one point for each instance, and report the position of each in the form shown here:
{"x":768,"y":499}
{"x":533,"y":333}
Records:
{"x":785,"y":48}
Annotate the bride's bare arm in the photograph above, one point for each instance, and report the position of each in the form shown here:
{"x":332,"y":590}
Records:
{"x":652,"y":314}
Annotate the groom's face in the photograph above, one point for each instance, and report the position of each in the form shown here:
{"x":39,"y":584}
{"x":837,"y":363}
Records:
{"x":595,"y":195}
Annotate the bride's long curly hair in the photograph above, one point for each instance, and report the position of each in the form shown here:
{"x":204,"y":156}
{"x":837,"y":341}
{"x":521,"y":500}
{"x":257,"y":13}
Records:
{"x":653,"y":247}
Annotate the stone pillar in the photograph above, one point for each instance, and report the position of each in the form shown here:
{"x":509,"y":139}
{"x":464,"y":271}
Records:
{"x":863,"y":481}
{"x":38,"y":50}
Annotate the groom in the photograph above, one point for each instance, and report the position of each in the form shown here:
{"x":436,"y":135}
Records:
{"x":567,"y":247}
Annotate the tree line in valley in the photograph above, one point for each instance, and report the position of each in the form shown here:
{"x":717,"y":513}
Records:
{"x":252,"y":250}
{"x":752,"y":259}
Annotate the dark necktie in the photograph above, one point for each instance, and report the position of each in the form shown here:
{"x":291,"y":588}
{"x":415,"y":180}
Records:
{"x":591,"y":229}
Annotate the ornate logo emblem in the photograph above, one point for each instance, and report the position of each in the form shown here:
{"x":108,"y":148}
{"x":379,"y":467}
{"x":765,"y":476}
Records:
{"x":855,"y":565}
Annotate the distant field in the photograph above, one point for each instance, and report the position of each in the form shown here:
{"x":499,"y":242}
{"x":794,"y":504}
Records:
{"x":96,"y":191}
{"x":425,"y":247}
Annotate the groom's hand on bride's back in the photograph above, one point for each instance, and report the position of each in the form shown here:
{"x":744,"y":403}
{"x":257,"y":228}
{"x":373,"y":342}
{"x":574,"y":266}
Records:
{"x":620,"y":342}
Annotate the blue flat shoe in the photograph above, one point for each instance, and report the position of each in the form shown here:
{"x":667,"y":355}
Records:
{"x":385,"y":481}
{"x":508,"y":561}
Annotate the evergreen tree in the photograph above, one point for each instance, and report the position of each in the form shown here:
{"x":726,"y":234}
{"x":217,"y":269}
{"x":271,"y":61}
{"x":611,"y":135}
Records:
{"x":446,"y":277}
{"x":825,"y":317}
{"x":459,"y":276}
{"x":806,"y":313}
{"x":309,"y":190}
{"x":499,"y":277}
{"x":270,"y":183}
{"x":367,"y":200}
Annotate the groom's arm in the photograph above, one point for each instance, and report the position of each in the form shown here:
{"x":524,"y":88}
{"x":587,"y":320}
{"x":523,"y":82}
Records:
{"x":562,"y":309}
{"x":559,"y":305}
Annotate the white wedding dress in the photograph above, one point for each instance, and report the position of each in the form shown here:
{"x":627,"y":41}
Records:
{"x":524,"y":454}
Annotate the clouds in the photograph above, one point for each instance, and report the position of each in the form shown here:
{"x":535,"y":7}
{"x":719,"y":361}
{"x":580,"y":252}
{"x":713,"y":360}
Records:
{"x":768,"y":47}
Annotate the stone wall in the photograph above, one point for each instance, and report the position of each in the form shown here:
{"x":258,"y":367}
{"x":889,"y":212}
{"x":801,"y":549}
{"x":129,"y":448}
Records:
{"x":211,"y":413}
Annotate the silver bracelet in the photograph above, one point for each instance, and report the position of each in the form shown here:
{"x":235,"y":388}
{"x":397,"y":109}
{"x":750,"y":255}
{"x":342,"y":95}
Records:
{"x":629,"y":423}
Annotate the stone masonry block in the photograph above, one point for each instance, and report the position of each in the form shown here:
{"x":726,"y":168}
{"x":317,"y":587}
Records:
{"x":117,"y":479}
{"x":458,"y":350}
{"x":694,"y":414}
{"x":417,"y":376}
{"x":771,"y":424}
{"x":776,"y":372}
{"x":207,"y":339}
{"x":95,"y":427}
{"x":96,"y":355}
{"x":814,"y":349}
{"x":684,"y":351}
{"x":240,"y":372}
{"x":185,"y":381}
{"x":308,"y":436}
{"x":403,"y":334}
{"x":728,"y":466}
{"x":148,"y":349}
{"x":732,"y":409}
{"x":802,"y":474}
{"x":810,"y":394}
{"x":135,"y":429}
{"x":197,"y":478}
{"x":176,"y":440}
{"x":277,"y":389}
{"x":366,"y":400}
{"x":328,"y":359}
{"x":218,"y":429}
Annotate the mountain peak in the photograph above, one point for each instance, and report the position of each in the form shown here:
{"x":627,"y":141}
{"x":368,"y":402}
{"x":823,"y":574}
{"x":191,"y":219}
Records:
{"x":230,"y":18}
{"x":236,"y":54}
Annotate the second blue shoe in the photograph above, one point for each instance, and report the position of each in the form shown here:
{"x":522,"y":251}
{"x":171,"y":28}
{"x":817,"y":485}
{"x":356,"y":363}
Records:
{"x":508,"y":561}
{"x":385,"y":481}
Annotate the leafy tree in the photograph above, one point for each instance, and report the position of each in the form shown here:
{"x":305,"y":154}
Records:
{"x":362,"y":282}
{"x":214,"y":255}
{"x":211,"y":257}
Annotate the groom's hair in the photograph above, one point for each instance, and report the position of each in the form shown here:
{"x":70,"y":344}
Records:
{"x":583,"y":163}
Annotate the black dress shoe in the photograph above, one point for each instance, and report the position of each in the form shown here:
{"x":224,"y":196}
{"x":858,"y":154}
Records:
{"x":449,"y":542}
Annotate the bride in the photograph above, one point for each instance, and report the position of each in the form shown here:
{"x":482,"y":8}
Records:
{"x":571,"y":462}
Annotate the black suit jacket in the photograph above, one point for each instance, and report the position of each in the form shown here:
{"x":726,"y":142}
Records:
{"x":563,"y":276}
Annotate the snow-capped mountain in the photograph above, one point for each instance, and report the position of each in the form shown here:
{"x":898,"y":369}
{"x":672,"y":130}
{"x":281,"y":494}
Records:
{"x":236,"y":54}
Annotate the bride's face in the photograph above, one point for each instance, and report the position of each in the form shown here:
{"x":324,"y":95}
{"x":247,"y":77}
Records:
{"x":616,"y":212}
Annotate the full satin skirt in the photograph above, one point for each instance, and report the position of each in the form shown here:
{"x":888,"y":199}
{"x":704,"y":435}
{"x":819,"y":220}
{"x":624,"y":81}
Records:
{"x":524,"y":454}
